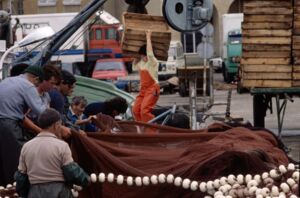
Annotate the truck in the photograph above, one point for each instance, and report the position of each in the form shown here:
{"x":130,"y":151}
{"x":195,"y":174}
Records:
{"x":232,"y":45}
{"x":168,"y":69}
{"x":88,"y":44}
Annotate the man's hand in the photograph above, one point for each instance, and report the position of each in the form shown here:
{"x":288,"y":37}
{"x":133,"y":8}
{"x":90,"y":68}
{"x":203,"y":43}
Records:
{"x":82,"y":132}
{"x":65,"y":132}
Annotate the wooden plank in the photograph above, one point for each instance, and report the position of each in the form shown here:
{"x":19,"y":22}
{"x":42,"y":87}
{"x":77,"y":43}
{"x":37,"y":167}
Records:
{"x":266,"y":83}
{"x":296,"y":17}
{"x":296,"y":24}
{"x":296,"y":76}
{"x":157,"y":52}
{"x":267,"y":76}
{"x":267,"y":40}
{"x":141,"y":43}
{"x":136,"y":24}
{"x":296,"y":31}
{"x":296,"y":60}
{"x":296,"y":68}
{"x":262,"y":33}
{"x":268,"y":4}
{"x":135,"y":55}
{"x":296,"y":83}
{"x":296,"y":53}
{"x":268,"y":10}
{"x":296,"y":10}
{"x":257,"y":47}
{"x":142,"y":38}
{"x":266,"y":54}
{"x":265,"y":61}
{"x":296,"y":46}
{"x":296,"y":3}
{"x":296,"y":38}
{"x":268,"y":68}
{"x":141,"y":32}
{"x":268,"y":18}
{"x":266,"y":25}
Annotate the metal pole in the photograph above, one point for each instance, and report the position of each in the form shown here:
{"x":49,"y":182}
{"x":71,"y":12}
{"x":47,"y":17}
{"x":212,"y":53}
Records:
{"x":184,"y":42}
{"x":193,"y":100}
{"x":204,"y":67}
{"x":194,"y":42}
{"x":211,"y":85}
{"x":9,"y":6}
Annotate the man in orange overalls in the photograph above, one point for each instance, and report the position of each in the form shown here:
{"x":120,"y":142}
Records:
{"x":147,"y":65}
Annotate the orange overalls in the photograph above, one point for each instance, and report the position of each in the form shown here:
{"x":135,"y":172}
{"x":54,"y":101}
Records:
{"x":147,"y":98}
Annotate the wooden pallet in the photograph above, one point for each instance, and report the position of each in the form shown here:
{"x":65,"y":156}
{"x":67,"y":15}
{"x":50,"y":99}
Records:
{"x":296,"y":45}
{"x":267,"y":40}
{"x":134,"y":35}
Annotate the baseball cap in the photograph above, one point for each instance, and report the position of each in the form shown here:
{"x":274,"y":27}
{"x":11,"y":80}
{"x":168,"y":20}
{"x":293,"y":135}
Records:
{"x":35,"y":70}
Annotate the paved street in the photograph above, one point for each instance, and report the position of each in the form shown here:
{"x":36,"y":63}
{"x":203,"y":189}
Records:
{"x":241,"y":106}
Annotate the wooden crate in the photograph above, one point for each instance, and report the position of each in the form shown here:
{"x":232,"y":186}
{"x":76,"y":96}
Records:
{"x":296,"y":45}
{"x":134,"y":35}
{"x":267,"y":43}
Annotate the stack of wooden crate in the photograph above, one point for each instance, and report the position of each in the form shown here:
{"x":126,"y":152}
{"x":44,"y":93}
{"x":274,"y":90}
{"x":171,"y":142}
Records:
{"x":296,"y":44}
{"x":267,"y":40}
{"x":134,"y":36}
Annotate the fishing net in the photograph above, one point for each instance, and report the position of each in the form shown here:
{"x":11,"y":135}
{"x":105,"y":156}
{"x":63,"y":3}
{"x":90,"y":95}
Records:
{"x":139,"y":149}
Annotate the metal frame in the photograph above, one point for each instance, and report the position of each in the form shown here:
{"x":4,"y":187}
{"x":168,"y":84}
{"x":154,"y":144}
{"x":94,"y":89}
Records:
{"x":262,"y":100}
{"x":167,"y":113}
{"x":281,"y":108}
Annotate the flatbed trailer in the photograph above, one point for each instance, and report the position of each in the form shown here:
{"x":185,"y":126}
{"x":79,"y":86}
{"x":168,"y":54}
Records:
{"x":262,"y":101}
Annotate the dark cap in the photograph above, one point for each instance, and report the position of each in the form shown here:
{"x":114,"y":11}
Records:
{"x":67,"y":77}
{"x":35,"y":70}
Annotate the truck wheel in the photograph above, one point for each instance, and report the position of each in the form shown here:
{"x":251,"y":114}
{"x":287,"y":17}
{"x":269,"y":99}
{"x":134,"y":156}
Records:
{"x":182,"y":90}
{"x":224,"y":73}
{"x":228,"y":78}
{"x":129,"y":68}
{"x":240,"y":89}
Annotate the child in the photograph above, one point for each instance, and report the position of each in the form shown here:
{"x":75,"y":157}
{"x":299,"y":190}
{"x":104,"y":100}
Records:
{"x":76,"y":116}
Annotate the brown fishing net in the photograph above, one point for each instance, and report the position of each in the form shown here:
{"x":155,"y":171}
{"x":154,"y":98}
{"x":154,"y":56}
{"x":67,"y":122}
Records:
{"x":137,"y":149}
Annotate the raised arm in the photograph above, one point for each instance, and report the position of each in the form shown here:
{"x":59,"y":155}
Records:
{"x":149,"y":43}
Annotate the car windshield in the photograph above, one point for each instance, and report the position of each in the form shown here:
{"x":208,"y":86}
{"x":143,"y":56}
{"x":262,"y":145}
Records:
{"x":235,"y":39}
{"x":108,"y":66}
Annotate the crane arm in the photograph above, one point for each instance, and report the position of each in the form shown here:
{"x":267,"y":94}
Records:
{"x":63,"y":35}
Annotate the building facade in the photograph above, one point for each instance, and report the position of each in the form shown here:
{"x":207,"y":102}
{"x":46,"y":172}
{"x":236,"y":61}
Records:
{"x":117,"y":7}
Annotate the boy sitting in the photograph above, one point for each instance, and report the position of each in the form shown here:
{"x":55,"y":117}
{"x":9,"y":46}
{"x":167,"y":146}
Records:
{"x":76,"y":116}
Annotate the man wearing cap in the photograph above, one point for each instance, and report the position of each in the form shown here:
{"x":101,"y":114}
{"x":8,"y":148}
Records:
{"x":17,"y":95}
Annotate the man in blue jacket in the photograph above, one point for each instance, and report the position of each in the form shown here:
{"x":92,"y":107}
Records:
{"x":17,"y":95}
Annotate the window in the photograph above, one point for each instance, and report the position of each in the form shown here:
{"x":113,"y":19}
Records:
{"x":98,"y":35}
{"x":46,"y":2}
{"x":91,"y":34}
{"x":111,"y":34}
{"x":109,"y":66}
{"x":71,"y":2}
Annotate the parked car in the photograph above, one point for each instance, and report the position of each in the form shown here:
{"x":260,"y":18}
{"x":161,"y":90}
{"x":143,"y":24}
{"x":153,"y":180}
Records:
{"x":109,"y":69}
{"x":216,"y":64}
